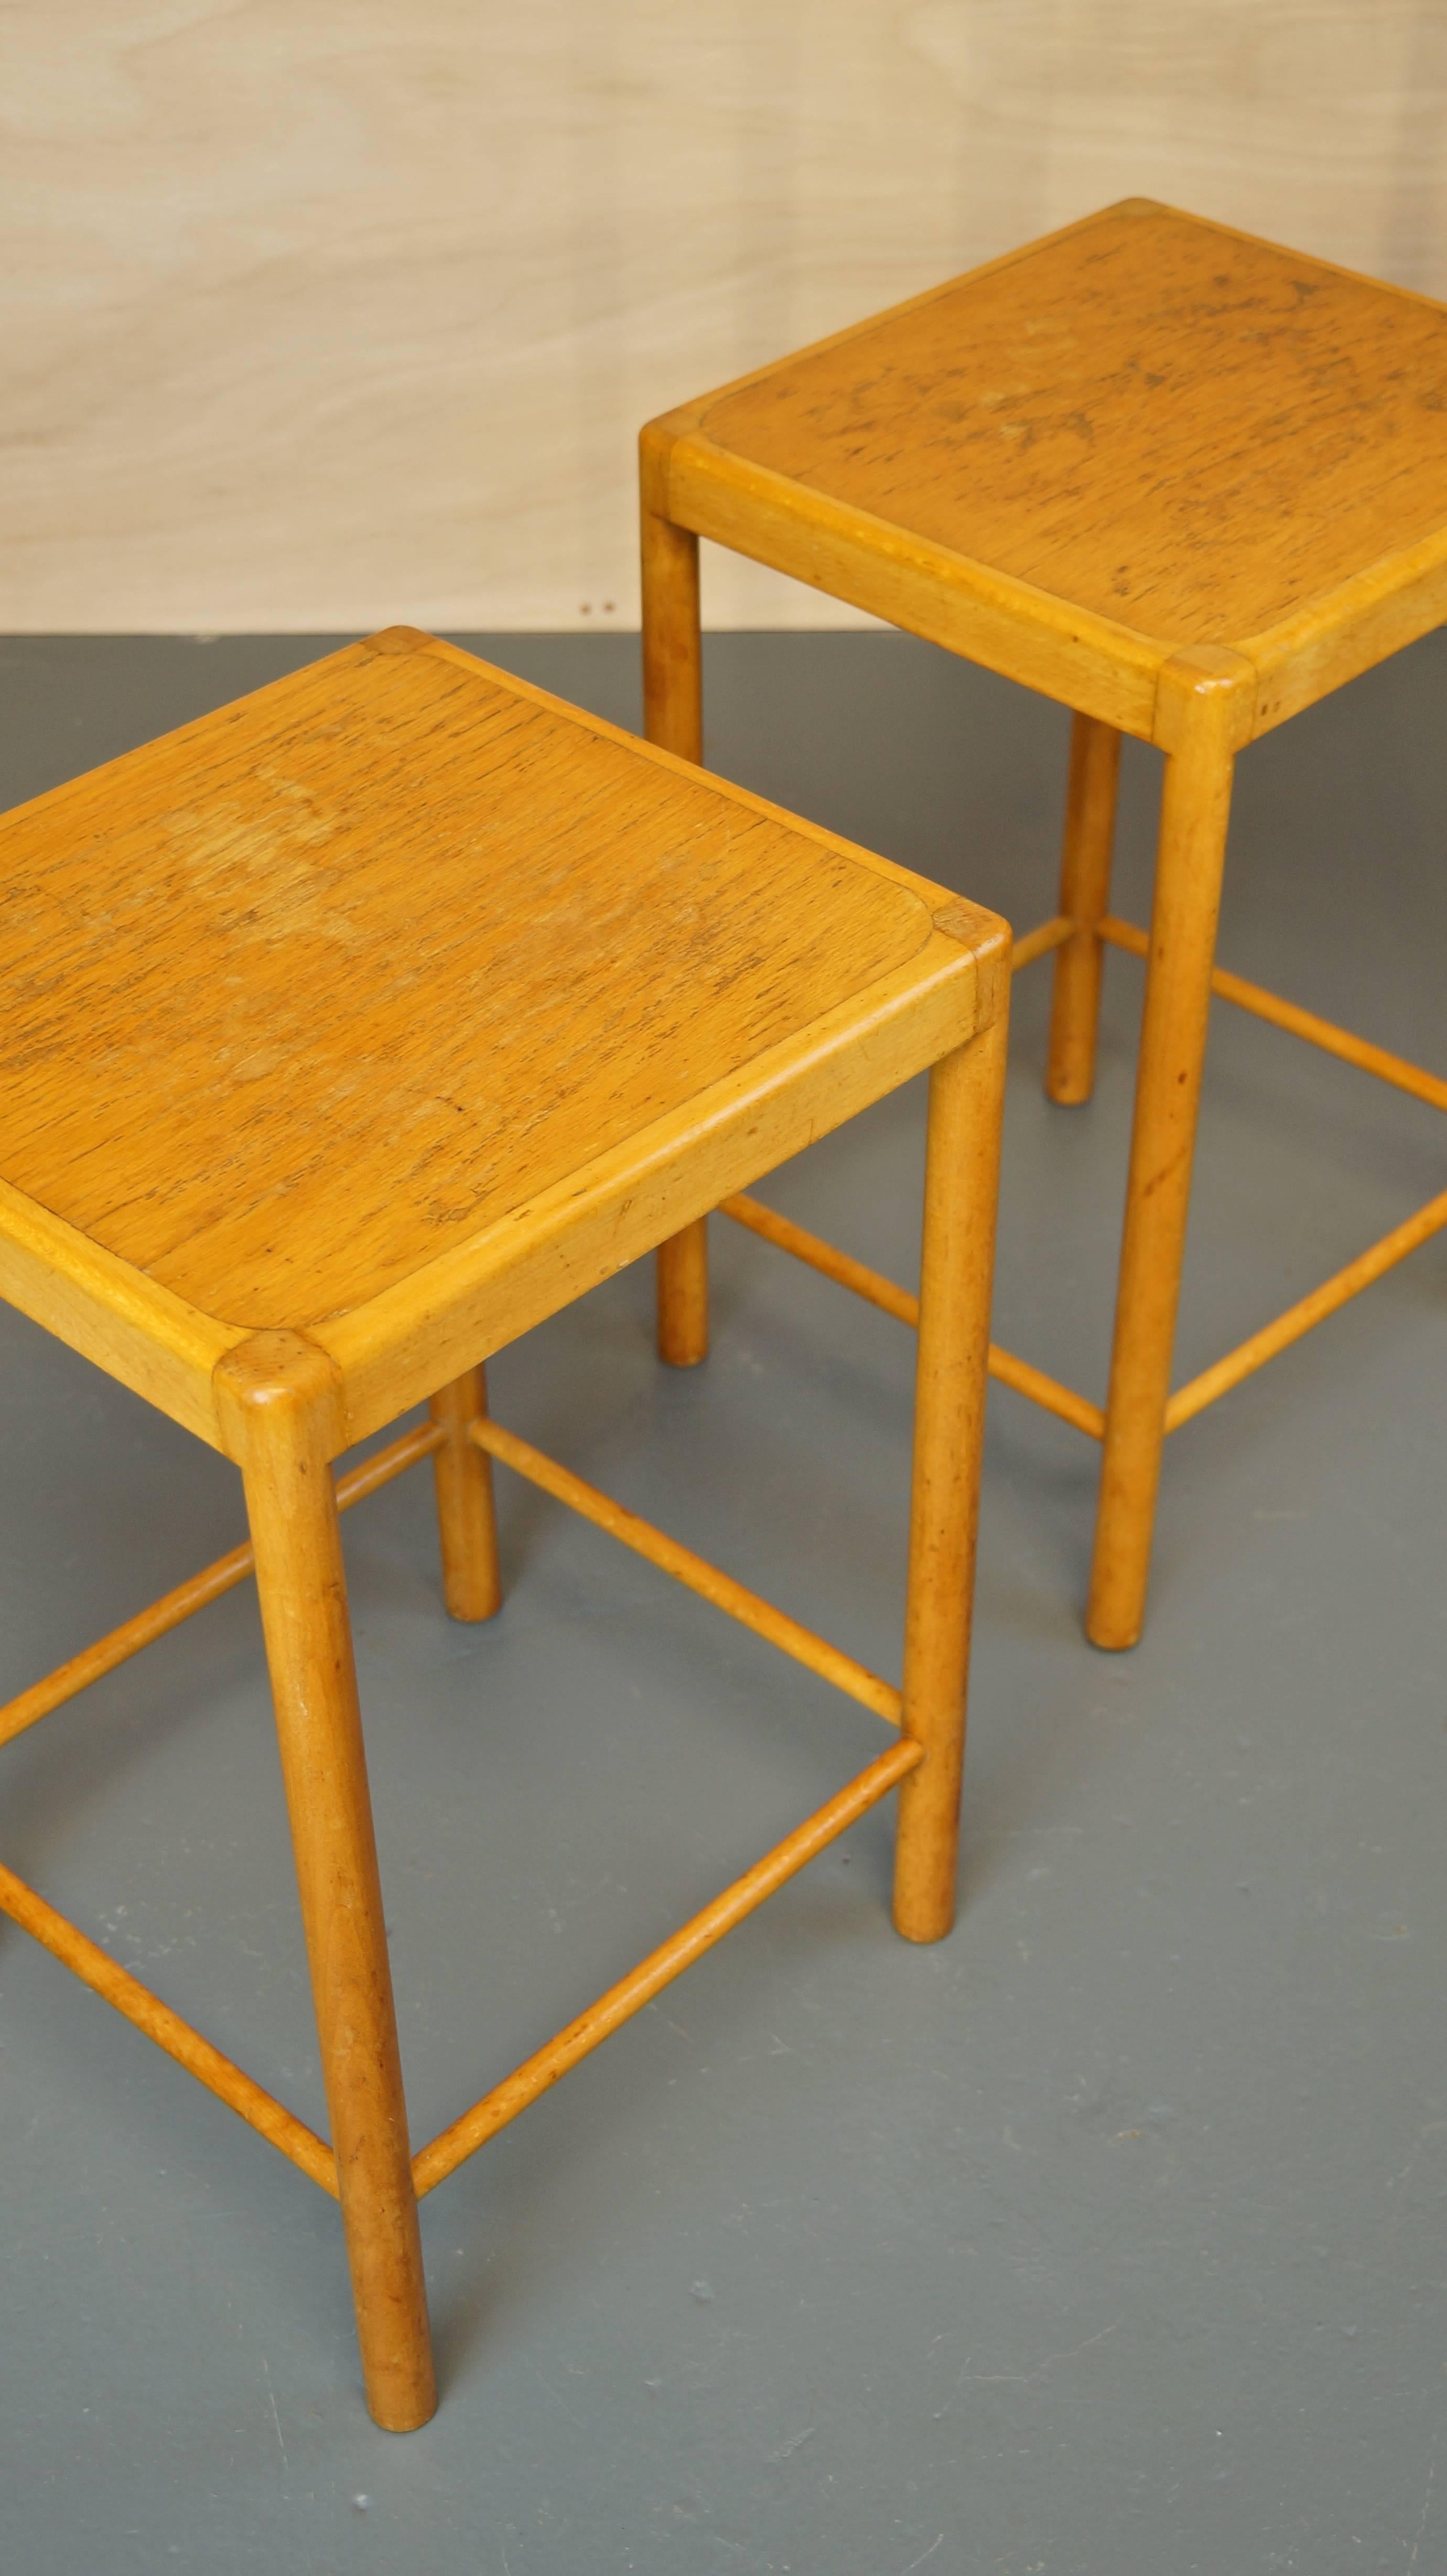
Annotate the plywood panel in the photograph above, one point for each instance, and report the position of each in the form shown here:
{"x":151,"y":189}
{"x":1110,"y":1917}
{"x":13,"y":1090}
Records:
{"x":319,"y":317}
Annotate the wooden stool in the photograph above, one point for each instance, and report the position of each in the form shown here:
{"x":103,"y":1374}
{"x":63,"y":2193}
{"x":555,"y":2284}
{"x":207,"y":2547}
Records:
{"x":350,"y":1032}
{"x":1183,"y":481}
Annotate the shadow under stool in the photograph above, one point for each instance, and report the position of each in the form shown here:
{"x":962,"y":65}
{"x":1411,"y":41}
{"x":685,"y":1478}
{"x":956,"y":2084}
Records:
{"x":350,"y":1032}
{"x":1185,"y":482}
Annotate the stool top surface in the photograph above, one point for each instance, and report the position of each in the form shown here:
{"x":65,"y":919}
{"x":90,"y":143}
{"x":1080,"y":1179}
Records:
{"x":302,"y":995}
{"x":1178,"y":427}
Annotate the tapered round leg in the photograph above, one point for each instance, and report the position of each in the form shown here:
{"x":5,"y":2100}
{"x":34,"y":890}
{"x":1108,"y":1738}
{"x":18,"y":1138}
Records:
{"x":673,"y":716}
{"x":1195,"y":809}
{"x":277,"y":1399}
{"x":961,"y":1180}
{"x":466,"y":1520}
{"x":1084,"y":897}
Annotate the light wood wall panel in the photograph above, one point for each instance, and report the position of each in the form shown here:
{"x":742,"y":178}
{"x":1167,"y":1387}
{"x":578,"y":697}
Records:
{"x":325,"y":312}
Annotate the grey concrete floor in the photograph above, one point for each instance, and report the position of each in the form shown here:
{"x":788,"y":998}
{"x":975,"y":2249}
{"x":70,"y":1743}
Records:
{"x":1106,"y":2239}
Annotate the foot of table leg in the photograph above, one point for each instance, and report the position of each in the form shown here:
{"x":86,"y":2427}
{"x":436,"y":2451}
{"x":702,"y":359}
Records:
{"x":683,"y":1296}
{"x":466,"y":1520}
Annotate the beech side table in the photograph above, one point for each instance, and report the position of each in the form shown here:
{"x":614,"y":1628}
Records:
{"x":1183,"y":481}
{"x":351,"y":1031}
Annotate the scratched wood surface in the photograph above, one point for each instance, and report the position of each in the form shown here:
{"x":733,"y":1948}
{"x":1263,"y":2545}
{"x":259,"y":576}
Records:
{"x":309,"y":992}
{"x":1164,"y":422}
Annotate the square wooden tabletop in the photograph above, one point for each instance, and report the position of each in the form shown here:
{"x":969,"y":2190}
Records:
{"x":401,"y":972}
{"x":1162,"y":432}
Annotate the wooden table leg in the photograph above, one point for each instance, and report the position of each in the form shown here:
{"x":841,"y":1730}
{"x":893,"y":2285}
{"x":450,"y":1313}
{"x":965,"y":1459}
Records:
{"x":1084,"y":897}
{"x":1195,"y":808}
{"x":962,"y":1164}
{"x":466,"y":1519}
{"x":673,"y":716}
{"x":278,"y":1405}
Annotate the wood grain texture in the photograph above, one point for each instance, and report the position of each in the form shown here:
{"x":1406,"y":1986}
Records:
{"x":320,"y":317}
{"x":1176,"y":434}
{"x":401,"y":1002}
{"x":841,"y":551}
{"x":301,"y":995}
{"x":493,"y":1286}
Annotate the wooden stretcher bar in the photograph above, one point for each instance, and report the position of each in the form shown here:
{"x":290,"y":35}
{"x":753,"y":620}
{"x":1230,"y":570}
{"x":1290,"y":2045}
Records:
{"x":455,"y":2144}
{"x":1300,"y":1024}
{"x":1250,"y":1355}
{"x":882,"y":1292}
{"x":238,"y":2090}
{"x":1348,"y":1283}
{"x":72,"y":1947}
{"x":694,"y":1571}
{"x":117,"y":1986}
{"x":193,"y":1595}
{"x":1040,"y":941}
